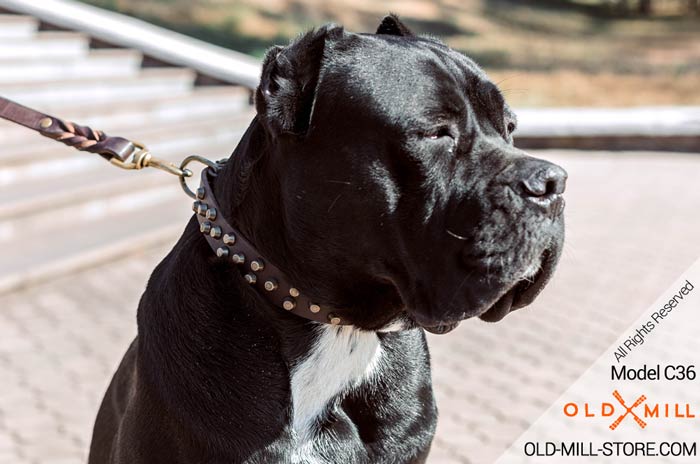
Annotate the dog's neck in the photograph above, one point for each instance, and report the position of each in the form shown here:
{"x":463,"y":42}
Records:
{"x":246,"y":190}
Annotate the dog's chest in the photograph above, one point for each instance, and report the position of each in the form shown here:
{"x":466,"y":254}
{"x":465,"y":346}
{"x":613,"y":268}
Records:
{"x":340,"y":359}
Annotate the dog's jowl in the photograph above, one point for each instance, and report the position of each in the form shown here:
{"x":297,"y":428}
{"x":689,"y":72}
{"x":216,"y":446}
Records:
{"x":379,"y":176}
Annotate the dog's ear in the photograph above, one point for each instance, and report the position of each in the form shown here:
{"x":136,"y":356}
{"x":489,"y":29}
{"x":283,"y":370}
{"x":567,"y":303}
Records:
{"x":392,"y":25}
{"x":285,"y":96}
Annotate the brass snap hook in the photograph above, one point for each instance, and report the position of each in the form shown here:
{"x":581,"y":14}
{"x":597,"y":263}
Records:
{"x":143,"y":158}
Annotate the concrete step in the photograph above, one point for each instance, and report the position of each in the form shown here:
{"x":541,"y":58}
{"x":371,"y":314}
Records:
{"x":225,"y":102}
{"x":71,"y":191}
{"x":103,"y":63}
{"x":37,"y":153}
{"x":150,"y":83}
{"x":17,"y":26}
{"x":36,"y":194}
{"x":101,"y":222}
{"x":49,"y":44}
{"x":100,"y":231}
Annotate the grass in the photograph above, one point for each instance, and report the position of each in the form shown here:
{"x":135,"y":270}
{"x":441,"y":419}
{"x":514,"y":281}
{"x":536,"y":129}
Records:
{"x":546,"y":52}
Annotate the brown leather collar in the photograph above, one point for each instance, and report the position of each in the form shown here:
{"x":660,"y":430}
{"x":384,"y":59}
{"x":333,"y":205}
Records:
{"x":228,"y":243}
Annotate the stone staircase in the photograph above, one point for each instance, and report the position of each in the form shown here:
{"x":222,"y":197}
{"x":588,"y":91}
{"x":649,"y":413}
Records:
{"x":62,"y":209}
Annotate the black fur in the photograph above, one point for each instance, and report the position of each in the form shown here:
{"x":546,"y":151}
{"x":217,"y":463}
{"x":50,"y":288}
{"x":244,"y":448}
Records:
{"x":380,"y":176}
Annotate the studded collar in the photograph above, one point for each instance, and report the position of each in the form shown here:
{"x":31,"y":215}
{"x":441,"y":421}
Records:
{"x":228,"y":243}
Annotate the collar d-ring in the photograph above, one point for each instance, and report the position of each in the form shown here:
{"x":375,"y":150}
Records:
{"x":188,"y":173}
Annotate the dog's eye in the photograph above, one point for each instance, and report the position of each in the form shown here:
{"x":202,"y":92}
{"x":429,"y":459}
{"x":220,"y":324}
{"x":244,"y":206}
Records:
{"x":439,"y":132}
{"x":510,"y":127}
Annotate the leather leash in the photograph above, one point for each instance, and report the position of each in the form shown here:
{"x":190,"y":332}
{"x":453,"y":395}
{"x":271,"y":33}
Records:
{"x":119,"y":151}
{"x":226,"y":241}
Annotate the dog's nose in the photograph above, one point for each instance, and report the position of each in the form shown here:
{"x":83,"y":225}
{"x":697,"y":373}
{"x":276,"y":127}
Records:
{"x":542,"y":182}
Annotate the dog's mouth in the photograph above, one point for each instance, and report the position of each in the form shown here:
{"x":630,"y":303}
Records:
{"x":523,"y":292}
{"x":513,"y":299}
{"x":518,"y":296}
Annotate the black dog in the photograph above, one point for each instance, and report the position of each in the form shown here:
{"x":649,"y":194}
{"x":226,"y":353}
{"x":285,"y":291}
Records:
{"x":380,"y":176}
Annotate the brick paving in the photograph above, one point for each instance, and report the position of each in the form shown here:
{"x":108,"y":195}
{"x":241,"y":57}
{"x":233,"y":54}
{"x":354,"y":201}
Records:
{"x":632,"y":229}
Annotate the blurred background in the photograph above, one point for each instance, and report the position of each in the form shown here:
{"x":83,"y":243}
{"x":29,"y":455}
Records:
{"x":542,"y":52}
{"x":607,"y":89}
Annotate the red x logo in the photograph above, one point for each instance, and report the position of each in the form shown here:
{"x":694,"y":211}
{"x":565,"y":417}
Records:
{"x":628,"y":410}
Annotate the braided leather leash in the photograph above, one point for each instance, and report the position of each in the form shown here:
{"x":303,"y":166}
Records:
{"x":225,"y":240}
{"x":119,"y":151}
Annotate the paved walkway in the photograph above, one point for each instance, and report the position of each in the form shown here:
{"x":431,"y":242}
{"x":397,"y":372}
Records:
{"x":632,"y":228}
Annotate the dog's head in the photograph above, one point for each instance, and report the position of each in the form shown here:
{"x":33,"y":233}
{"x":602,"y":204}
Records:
{"x":402,"y":193}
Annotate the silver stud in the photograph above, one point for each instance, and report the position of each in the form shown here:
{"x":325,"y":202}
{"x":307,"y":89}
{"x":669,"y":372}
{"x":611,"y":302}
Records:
{"x":205,"y":227}
{"x":289,"y":304}
{"x":202,"y":208}
{"x":333,"y":319}
{"x":257,"y":265}
{"x":270,"y":285}
{"x":222,"y":252}
{"x":211,"y":214}
{"x":250,"y":278}
{"x":238,"y":258}
{"x":215,"y":232}
{"x":45,"y":123}
{"x":229,"y":239}
{"x":314,"y":308}
{"x":294,"y":292}
{"x":195,"y":206}
{"x":201,"y":193}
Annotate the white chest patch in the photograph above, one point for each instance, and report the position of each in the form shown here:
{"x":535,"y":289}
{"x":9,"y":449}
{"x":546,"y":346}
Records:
{"x":341,"y":359}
